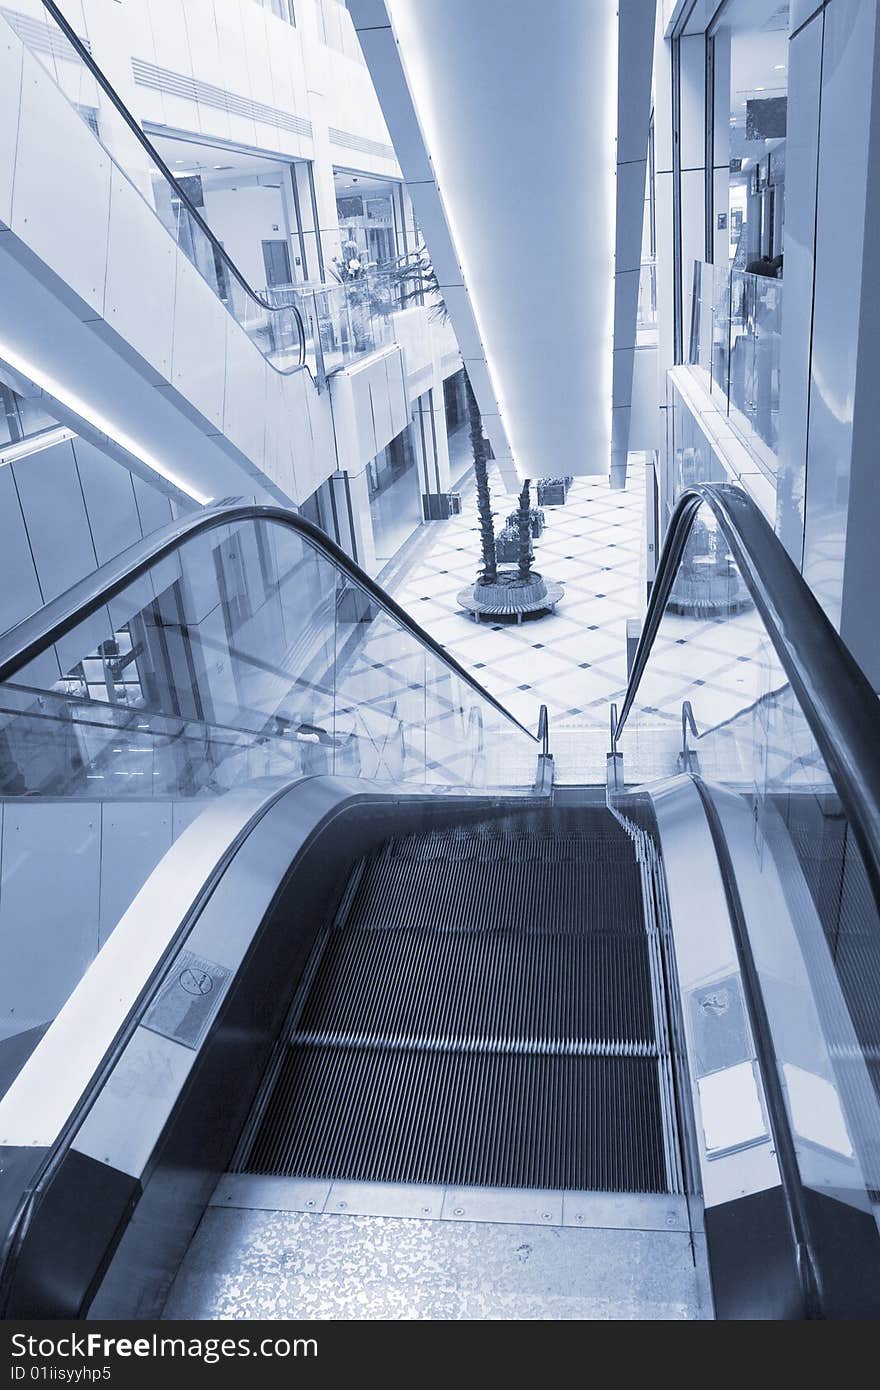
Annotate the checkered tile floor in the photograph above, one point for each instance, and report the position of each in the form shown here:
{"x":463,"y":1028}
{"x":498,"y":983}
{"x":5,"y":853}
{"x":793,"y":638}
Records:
{"x":574,"y":661}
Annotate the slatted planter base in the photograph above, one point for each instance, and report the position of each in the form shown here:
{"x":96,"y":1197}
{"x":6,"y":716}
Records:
{"x":511,"y":600}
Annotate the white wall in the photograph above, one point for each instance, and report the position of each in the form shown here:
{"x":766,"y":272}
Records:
{"x":243,"y":218}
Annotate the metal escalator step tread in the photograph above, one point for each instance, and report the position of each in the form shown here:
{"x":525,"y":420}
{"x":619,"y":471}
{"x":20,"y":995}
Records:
{"x":483,"y":985}
{"x":533,"y":897}
{"x":509,"y":846}
{"x":483,"y":1016}
{"x":475,"y":1119}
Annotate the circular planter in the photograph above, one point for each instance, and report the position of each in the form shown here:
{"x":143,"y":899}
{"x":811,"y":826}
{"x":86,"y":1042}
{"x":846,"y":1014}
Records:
{"x":706,"y":588}
{"x":511,"y":591}
{"x":511,"y":597}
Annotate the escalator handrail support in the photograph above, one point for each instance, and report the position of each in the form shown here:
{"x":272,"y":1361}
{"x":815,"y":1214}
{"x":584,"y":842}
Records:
{"x":35,"y":634}
{"x":837,"y":700}
{"x":155,"y":158}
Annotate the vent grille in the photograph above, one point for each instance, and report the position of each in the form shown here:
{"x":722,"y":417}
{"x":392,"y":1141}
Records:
{"x":206,"y":94}
{"x":350,"y":141}
{"x":40,"y":37}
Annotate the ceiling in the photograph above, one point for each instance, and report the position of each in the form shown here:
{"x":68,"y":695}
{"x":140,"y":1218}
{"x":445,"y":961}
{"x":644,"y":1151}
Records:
{"x":344,"y":181}
{"x":216,"y":165}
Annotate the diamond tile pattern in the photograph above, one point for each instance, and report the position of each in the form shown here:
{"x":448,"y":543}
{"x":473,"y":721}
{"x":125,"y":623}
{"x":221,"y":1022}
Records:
{"x":574,"y":661}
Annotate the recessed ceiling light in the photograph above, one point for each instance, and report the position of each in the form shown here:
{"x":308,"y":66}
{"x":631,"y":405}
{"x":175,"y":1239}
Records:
{"x":779,"y":67}
{"x":222,"y":166}
{"x":760,"y":89}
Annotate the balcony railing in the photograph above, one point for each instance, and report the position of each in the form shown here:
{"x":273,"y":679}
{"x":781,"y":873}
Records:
{"x":348,"y":319}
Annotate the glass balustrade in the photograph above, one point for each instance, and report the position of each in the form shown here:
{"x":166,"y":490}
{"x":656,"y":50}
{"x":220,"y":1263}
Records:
{"x":715,"y":701}
{"x":247,"y":652}
{"x":736,"y":339}
{"x":21,"y":418}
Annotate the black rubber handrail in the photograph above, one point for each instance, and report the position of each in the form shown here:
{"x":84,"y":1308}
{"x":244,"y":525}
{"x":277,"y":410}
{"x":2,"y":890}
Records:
{"x":843,"y":714}
{"x":23,"y":643}
{"x":179,"y":191}
{"x":805,"y":1248}
{"x":838,"y":702}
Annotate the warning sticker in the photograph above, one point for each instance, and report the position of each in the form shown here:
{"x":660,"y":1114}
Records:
{"x":188,"y":999}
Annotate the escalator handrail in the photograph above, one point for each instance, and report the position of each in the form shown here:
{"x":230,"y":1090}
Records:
{"x":837,"y":700}
{"x":155,"y":158}
{"x":48,"y":625}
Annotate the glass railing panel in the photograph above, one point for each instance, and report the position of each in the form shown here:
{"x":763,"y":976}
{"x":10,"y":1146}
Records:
{"x":736,"y":339}
{"x":350,"y":319}
{"x":812,"y":916}
{"x":719,"y":306}
{"x":756,"y":339}
{"x":275,"y":330}
{"x":248,"y":652}
{"x":711,"y":649}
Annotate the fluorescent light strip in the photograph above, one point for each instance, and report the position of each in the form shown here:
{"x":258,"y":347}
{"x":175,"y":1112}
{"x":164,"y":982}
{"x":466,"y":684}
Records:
{"x":34,"y":444}
{"x":91,"y":417}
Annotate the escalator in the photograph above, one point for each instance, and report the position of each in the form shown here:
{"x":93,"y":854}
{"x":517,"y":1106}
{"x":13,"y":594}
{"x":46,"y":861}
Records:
{"x":276,"y":328}
{"x":410,"y":1011}
{"x":532,"y":1030}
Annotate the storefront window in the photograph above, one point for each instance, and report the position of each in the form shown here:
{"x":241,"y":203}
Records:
{"x":395,"y":496}
{"x":367,"y":215}
{"x":750,"y":61}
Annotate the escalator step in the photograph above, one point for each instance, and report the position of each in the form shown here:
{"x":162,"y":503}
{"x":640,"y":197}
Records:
{"x":471,"y":1119}
{"x":531,"y":896}
{"x":483,"y":984}
{"x":483,"y":1016}
{"x":487,"y":845}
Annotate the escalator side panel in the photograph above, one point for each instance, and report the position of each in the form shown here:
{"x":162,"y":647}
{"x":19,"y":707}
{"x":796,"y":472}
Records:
{"x":200,"y":1139}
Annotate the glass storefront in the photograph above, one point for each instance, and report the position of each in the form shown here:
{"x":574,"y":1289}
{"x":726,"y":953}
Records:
{"x":368,"y":217}
{"x":395,"y":496}
{"x":750,"y":63}
{"x":455,"y":401}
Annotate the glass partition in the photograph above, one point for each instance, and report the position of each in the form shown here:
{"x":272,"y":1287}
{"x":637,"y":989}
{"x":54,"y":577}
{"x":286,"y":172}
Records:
{"x":248,"y":652}
{"x":245,"y":653}
{"x":714,"y":701}
{"x":346,"y":321}
{"x":274,"y":328}
{"x":736,"y":339}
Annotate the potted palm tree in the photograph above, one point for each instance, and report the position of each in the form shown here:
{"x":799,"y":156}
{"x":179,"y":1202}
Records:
{"x":497,"y":592}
